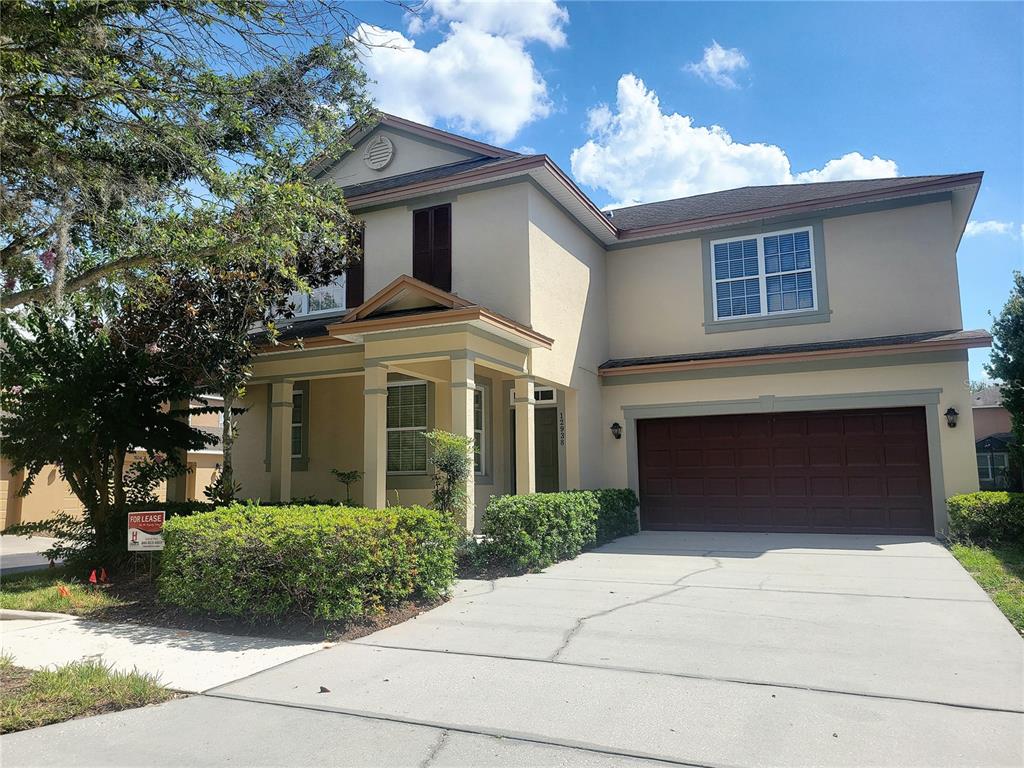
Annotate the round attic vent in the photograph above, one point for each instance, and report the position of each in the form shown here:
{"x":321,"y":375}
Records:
{"x":379,"y":153}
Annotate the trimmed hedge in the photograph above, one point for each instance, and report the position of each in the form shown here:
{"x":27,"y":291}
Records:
{"x":535,"y":530}
{"x":987,"y":517}
{"x":616,"y":514}
{"x":326,"y":563}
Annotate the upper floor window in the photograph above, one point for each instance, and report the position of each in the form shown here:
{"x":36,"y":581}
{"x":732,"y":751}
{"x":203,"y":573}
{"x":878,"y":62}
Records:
{"x":326,"y":298}
{"x":432,"y":246}
{"x":764,"y":275}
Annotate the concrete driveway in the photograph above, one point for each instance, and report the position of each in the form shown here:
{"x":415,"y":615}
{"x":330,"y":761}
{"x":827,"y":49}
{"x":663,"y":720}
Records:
{"x":685,"y":649}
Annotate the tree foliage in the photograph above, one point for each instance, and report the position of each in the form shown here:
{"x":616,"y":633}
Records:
{"x":1007,"y":360}
{"x":142,"y":132}
{"x":77,"y":395}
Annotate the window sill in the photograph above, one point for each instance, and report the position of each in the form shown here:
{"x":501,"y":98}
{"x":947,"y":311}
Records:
{"x":769,"y":321}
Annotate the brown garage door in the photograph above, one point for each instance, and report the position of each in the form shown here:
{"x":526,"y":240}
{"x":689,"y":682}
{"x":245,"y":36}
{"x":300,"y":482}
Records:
{"x":863,"y":471}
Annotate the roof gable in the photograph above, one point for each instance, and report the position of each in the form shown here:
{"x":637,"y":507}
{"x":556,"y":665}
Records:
{"x":405,"y":294}
{"x":396,"y":147}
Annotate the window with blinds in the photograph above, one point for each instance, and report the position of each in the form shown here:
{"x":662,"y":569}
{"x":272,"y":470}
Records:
{"x":764,"y":275}
{"x":406,"y":423}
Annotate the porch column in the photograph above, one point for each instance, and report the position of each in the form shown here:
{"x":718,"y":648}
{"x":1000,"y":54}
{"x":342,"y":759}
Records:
{"x":177,"y":487}
{"x":462,"y":387}
{"x":375,"y":438}
{"x":526,"y":465}
{"x":281,"y":441}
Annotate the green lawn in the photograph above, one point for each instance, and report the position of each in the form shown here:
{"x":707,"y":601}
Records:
{"x":1000,"y":572}
{"x":40,"y":591}
{"x":32,"y":699}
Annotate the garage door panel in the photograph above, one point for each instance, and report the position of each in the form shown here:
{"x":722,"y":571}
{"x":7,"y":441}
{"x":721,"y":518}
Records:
{"x":718,"y":429}
{"x":828,"y":485}
{"x":859,"y":455}
{"x":906,"y":485}
{"x":831,"y":471}
{"x":826,"y":456}
{"x":755,"y":486}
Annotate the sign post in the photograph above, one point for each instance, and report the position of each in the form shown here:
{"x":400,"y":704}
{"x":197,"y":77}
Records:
{"x":145,"y":531}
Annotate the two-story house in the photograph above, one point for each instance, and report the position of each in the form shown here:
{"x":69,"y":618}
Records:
{"x":784,"y":358}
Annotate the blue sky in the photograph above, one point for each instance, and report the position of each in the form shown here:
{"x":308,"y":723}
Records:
{"x":625,"y":96}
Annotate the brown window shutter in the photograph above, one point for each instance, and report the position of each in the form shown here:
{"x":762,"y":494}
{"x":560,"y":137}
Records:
{"x":442,"y":256}
{"x":354,"y":279}
{"x":432,"y":246}
{"x":421,"y":246}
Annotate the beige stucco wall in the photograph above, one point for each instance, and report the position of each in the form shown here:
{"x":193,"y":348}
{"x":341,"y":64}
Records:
{"x":957,"y":445}
{"x":489,"y":247}
{"x":51,"y":494}
{"x":411,"y":154}
{"x":889,"y":272}
{"x":990,"y":421}
{"x":569,"y":304}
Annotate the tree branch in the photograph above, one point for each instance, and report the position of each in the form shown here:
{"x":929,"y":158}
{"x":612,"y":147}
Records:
{"x":97,"y":273}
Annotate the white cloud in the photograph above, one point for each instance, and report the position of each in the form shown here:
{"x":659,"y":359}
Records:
{"x":852,"y":165}
{"x":638,"y":153}
{"x":526,"y":20}
{"x":720,"y":65}
{"x":472,"y":81}
{"x":989,"y":227}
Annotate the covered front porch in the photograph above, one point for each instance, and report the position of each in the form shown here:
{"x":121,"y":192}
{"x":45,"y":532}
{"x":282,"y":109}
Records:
{"x":409,"y":360}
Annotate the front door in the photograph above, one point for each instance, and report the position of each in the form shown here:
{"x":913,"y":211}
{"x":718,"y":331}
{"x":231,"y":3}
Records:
{"x":546,"y":447}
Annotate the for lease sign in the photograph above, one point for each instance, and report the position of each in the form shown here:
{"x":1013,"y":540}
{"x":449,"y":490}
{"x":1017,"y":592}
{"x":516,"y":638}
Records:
{"x":144,"y":531}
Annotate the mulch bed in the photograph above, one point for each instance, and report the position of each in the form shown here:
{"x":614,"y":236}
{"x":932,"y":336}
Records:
{"x":141,"y":606}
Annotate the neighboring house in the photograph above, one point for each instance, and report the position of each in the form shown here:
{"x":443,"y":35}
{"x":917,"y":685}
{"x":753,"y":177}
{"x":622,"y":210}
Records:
{"x":51,"y":494}
{"x":766,"y":358}
{"x":992,"y":438}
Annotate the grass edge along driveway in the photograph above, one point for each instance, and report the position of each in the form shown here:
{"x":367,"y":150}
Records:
{"x":35,"y":698}
{"x":999,"y":570}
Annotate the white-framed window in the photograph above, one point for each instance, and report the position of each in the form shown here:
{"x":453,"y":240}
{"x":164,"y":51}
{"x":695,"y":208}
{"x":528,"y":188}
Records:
{"x":992,"y":466}
{"x":764,"y":275}
{"x":297,"y":425}
{"x":479,"y":431}
{"x":326,"y":298}
{"x":406,"y":423}
{"x":540,"y":395}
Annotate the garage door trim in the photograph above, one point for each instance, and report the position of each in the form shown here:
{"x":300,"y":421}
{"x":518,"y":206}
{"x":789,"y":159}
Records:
{"x":929,"y":398}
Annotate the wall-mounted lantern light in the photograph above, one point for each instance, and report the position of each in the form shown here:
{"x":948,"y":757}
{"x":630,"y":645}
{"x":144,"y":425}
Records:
{"x":617,"y":431}
{"x":951,"y":416}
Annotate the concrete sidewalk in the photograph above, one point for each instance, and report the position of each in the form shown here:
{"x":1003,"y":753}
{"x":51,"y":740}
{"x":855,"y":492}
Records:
{"x":183,"y":660}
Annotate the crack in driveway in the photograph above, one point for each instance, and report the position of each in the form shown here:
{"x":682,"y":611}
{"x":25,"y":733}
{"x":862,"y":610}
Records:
{"x":677,"y":587}
{"x":435,"y":750}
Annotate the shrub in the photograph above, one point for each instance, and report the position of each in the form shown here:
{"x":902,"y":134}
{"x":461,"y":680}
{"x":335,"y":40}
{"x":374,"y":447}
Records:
{"x":987,"y":517}
{"x":452,"y":457}
{"x":321,"y":562}
{"x":616,"y":514}
{"x":535,"y":530}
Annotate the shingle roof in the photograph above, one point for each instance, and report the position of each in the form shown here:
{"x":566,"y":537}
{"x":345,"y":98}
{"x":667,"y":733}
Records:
{"x":995,"y":441}
{"x":988,"y":396}
{"x":734,"y":201}
{"x":428,"y":174}
{"x":817,"y":346}
{"x":306,"y":327}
